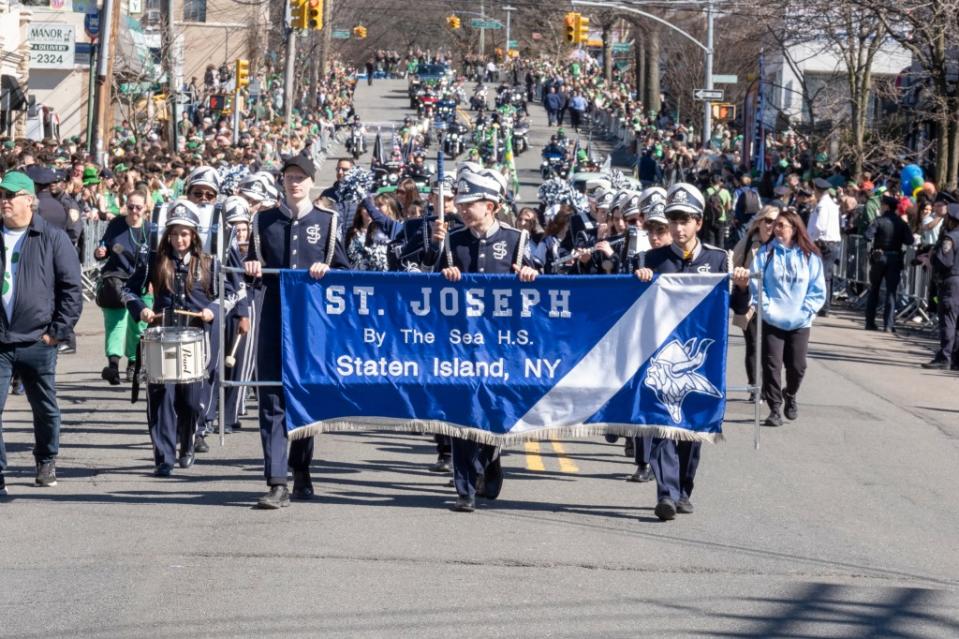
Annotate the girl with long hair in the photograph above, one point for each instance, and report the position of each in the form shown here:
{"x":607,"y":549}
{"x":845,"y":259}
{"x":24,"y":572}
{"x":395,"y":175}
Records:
{"x":793,"y":291}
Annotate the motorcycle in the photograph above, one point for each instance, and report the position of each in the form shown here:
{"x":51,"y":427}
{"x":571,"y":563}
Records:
{"x":356,"y":143}
{"x":478,"y":100}
{"x":388,"y":174}
{"x":520,"y":138}
{"x":554,"y":165}
{"x":427,"y":106}
{"x":454,"y":140}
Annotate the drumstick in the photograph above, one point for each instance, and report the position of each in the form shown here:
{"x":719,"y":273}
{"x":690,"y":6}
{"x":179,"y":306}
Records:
{"x":188,"y":313}
{"x":230,"y":360}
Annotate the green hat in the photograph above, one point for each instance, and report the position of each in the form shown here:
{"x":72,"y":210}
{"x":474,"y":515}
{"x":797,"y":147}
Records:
{"x":8,"y":144}
{"x":17,"y":182}
{"x":120,"y":168}
{"x":91,"y":175}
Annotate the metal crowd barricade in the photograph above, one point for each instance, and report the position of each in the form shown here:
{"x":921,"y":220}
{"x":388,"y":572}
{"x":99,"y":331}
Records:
{"x":89,"y":266}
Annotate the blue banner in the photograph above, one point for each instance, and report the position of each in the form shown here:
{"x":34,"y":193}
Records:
{"x":497,"y":360}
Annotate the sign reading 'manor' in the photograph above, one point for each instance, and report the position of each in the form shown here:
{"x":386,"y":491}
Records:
{"x":494,"y":359}
{"x":51,"y":45}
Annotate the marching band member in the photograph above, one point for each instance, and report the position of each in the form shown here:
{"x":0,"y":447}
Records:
{"x":239,"y":312}
{"x":674,"y":463}
{"x":182,"y":277}
{"x":479,"y":192}
{"x":295,"y":234}
{"x":259,"y":190}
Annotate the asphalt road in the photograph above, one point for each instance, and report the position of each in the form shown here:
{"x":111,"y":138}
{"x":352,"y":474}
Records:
{"x":842,"y":524}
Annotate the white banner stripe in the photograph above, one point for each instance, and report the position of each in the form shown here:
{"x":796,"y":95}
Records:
{"x":620,"y":353}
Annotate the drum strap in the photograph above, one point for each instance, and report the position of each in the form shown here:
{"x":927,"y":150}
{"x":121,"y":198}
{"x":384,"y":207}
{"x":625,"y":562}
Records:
{"x":521,"y":248}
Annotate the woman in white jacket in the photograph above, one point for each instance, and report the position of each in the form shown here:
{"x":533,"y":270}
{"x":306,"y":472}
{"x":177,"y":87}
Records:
{"x":794,"y":289}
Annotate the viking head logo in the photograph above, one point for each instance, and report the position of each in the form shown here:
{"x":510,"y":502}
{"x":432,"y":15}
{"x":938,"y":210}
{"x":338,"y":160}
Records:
{"x":672,"y":374}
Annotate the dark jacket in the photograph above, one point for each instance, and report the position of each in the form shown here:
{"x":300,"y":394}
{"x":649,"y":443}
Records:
{"x":709,"y":259}
{"x":553,"y":101}
{"x":53,"y":211}
{"x":48,"y":294}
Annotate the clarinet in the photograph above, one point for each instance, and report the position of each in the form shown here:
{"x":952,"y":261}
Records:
{"x":614,"y":243}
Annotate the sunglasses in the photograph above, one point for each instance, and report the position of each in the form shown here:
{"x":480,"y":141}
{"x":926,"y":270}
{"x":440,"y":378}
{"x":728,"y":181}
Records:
{"x":657,"y":229}
{"x":766,"y":220}
{"x":9,"y":195}
{"x":135,"y":207}
{"x":206,"y":196}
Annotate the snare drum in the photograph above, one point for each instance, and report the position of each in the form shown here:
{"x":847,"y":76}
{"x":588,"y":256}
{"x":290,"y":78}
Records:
{"x":174,"y":355}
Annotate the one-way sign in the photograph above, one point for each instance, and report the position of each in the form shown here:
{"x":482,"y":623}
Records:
{"x":709,"y":95}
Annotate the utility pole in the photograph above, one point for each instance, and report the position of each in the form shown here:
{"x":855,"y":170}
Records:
{"x":509,"y":12}
{"x":288,"y":87}
{"x":708,"y":112}
{"x":483,"y":29}
{"x":169,"y":38}
{"x":111,"y":24}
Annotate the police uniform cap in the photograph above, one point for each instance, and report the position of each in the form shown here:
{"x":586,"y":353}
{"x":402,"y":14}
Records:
{"x":684,"y":199}
{"x":952,"y":211}
{"x":946,"y":197}
{"x":183,"y":212}
{"x":41,"y":175}
{"x":821,"y":184}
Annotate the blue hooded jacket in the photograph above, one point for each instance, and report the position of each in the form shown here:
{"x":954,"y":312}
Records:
{"x":794,"y":287}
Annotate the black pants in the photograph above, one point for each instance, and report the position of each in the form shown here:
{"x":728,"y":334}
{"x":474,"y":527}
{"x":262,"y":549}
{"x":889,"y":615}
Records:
{"x":782,"y":347}
{"x":887,"y":268}
{"x":948,"y":315}
{"x":830,"y":253}
{"x":469,"y":462}
{"x":749,"y":334}
{"x":443,"y":445}
{"x":172,"y":415}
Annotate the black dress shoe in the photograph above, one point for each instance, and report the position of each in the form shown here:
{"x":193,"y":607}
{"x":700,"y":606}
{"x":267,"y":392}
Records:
{"x":464,"y":505}
{"x":111,"y":375}
{"x":684,"y":506}
{"x":492,"y":480}
{"x":186,"y":460}
{"x":442,"y":465}
{"x":872,"y":327}
{"x":643,"y":474}
{"x":302,"y":485}
{"x":611,"y":439}
{"x":937,"y":363}
{"x":200,"y":445}
{"x":774,"y":419}
{"x":665,"y":509}
{"x":163,"y":470}
{"x":790,"y":407}
{"x":277,"y":497}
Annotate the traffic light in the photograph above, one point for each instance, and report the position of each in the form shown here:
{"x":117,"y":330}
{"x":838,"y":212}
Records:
{"x":242,"y":73}
{"x":454,"y":22}
{"x":314,"y":14}
{"x":297,"y":14}
{"x":359,"y":32}
{"x":570,"y":21}
{"x":723,"y":111}
{"x":582,"y":29}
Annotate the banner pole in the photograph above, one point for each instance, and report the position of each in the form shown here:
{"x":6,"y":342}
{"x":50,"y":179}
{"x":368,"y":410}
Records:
{"x":221,"y":332}
{"x":757,"y":372}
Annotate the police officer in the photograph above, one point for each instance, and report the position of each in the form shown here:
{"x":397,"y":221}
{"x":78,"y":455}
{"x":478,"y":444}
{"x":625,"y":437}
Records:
{"x":888,"y":233}
{"x":479,"y":192}
{"x":674,"y":463}
{"x":295,"y":234}
{"x":946,"y":269}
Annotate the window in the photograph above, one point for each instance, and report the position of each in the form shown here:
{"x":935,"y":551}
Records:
{"x":194,"y":10}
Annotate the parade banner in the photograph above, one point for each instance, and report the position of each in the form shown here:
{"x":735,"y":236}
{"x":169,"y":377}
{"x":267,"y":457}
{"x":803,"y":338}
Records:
{"x":497,"y":361}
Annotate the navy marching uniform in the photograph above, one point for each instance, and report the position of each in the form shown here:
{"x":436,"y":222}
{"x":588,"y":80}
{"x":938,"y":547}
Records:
{"x":284,"y":239}
{"x":173,"y":409}
{"x":675,"y":463}
{"x":499,"y":251}
{"x":236,"y":309}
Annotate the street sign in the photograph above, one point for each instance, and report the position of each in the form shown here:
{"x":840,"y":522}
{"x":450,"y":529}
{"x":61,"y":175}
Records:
{"x":512,"y":44}
{"x":622,"y":47}
{"x":91,"y":24}
{"x":479,"y":23}
{"x":725,"y":79}
{"x":51,"y":45}
{"x":709,"y":95}
{"x":341,"y":34}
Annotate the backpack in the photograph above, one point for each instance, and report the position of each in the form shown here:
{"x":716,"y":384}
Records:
{"x":750,"y":203}
{"x":715,"y":213}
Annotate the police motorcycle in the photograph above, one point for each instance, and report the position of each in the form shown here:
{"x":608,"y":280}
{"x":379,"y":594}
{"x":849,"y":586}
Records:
{"x":414,"y":90}
{"x":478,"y":99}
{"x":356,"y":142}
{"x":454,"y":139}
{"x":426,"y":104}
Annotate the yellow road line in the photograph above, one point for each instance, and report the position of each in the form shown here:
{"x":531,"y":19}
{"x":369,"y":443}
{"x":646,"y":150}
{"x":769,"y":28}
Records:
{"x":533,"y":460}
{"x":566,"y":464}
